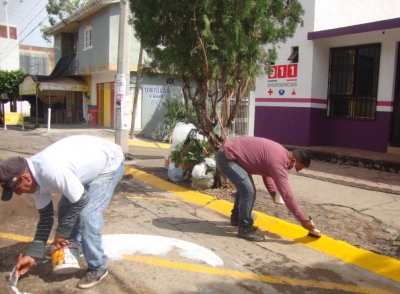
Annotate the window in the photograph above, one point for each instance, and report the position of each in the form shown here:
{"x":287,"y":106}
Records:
{"x":88,"y":41}
{"x":294,"y":57}
{"x":57,"y":42}
{"x":353,"y":81}
{"x":13,"y":33}
{"x":287,"y":2}
{"x":3,"y":32}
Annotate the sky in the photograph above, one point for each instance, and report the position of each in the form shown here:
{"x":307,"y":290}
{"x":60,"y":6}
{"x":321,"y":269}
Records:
{"x":28,"y":15}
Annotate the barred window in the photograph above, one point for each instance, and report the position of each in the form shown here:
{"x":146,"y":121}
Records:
{"x":353,"y":81}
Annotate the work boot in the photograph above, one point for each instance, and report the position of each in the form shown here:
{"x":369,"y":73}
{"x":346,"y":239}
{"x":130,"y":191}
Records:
{"x":235,"y":221}
{"x":92,"y":278}
{"x":250,"y":233}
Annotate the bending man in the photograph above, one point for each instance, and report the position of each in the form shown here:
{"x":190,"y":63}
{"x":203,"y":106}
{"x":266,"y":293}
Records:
{"x":85,"y":170}
{"x":242,"y":157}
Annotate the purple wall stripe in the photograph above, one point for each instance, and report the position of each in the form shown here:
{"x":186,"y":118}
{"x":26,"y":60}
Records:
{"x":385,"y":103}
{"x":293,"y":100}
{"x":360,"y":28}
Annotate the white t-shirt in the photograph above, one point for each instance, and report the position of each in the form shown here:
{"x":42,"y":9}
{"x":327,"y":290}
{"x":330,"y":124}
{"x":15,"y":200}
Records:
{"x":70,"y":163}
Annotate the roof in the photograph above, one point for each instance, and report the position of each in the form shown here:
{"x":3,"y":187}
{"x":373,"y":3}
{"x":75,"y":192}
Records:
{"x":71,"y":23}
{"x":356,"y":29}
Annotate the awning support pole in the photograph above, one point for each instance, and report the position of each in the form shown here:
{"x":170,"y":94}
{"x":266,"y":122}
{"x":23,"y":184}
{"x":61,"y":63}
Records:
{"x":48,"y":113}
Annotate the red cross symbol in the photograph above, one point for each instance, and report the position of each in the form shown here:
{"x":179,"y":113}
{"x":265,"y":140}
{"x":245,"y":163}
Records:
{"x":270,"y":92}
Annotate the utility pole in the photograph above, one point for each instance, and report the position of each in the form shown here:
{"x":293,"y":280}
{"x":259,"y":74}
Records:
{"x":135,"y":99}
{"x":122,"y":79}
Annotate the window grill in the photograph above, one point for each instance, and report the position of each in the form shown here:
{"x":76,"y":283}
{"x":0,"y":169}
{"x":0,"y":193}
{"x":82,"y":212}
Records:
{"x":353,"y":81}
{"x":240,"y":124}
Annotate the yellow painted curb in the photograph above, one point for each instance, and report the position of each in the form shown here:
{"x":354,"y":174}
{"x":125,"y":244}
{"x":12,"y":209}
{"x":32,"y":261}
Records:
{"x":146,"y":144}
{"x":379,"y":264}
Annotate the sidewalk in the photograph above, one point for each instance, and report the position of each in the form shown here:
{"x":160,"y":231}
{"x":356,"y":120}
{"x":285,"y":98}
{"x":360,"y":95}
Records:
{"x":338,"y":165}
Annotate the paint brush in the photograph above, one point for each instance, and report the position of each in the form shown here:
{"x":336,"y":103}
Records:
{"x":314,"y":233}
{"x":13,"y":279}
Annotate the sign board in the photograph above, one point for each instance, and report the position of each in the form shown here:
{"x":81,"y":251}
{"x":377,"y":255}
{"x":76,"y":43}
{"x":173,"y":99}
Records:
{"x":14,"y":118}
{"x":122,"y":99}
{"x":27,"y":86}
{"x":283,"y":80}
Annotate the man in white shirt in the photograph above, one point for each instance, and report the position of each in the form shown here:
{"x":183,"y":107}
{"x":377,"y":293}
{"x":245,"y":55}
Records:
{"x":85,"y":170}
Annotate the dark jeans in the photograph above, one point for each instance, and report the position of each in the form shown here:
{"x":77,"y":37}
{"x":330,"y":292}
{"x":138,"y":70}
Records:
{"x":245,"y":189}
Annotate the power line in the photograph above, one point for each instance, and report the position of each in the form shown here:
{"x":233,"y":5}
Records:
{"x":22,"y":39}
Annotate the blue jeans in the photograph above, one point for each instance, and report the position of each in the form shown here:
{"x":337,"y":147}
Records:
{"x":89,"y":224}
{"x":245,"y":189}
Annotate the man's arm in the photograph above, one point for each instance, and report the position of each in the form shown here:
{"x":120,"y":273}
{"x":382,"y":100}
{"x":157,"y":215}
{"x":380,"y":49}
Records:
{"x":270,"y":185}
{"x":43,"y":229}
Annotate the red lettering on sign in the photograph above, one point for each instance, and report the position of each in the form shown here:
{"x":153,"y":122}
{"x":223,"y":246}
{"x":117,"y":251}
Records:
{"x":292,"y":70}
{"x":274,"y":72}
{"x":282,"y":69}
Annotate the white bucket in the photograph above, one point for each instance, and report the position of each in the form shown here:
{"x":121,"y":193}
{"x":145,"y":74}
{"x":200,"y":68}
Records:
{"x":65,"y":260}
{"x":278,"y":198}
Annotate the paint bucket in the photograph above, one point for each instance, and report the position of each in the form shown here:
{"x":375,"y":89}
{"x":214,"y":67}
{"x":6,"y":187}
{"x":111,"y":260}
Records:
{"x":278,"y":198}
{"x":65,"y":260}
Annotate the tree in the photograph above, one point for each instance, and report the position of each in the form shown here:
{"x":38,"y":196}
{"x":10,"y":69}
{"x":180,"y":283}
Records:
{"x":217,"y":48}
{"x":9,"y":84}
{"x":58,"y":10}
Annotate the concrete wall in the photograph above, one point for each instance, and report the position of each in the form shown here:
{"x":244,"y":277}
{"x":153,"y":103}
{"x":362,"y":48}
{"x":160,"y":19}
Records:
{"x":99,"y":53}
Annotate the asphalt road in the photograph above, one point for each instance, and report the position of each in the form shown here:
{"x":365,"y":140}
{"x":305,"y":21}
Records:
{"x":179,"y":241}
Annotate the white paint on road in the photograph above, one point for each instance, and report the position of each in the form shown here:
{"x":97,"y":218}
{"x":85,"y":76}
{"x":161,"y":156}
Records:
{"x":116,"y":245}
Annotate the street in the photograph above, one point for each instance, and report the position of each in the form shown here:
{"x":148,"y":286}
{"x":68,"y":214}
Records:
{"x":163,"y":238}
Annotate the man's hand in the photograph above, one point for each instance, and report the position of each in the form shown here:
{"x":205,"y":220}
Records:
{"x":60,"y":241}
{"x":306,"y":223}
{"x":24,"y":265}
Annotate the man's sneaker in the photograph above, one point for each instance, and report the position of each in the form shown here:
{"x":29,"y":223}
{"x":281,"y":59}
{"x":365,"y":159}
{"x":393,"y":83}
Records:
{"x":250,"y":233}
{"x":235,"y":222}
{"x":92,"y":278}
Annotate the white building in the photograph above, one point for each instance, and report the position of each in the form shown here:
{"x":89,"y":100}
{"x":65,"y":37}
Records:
{"x":337,"y":81}
{"x":9,"y":50}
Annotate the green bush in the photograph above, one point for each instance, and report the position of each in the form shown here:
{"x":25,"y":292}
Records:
{"x":191,"y":153}
{"x":176,"y":112}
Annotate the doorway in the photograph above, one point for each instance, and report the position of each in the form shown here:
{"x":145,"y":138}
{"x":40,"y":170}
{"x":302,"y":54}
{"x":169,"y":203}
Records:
{"x":395,"y":136}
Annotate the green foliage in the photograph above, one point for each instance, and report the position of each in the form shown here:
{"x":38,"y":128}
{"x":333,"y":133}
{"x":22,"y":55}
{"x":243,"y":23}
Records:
{"x":59,"y":10}
{"x":176,"y":112}
{"x":63,"y":8}
{"x":217,"y":47}
{"x":9,"y":84}
{"x":9,"y":81}
{"x":191,"y":153}
{"x":215,"y":38}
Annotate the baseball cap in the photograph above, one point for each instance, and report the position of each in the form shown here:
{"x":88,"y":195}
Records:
{"x":10,"y":172}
